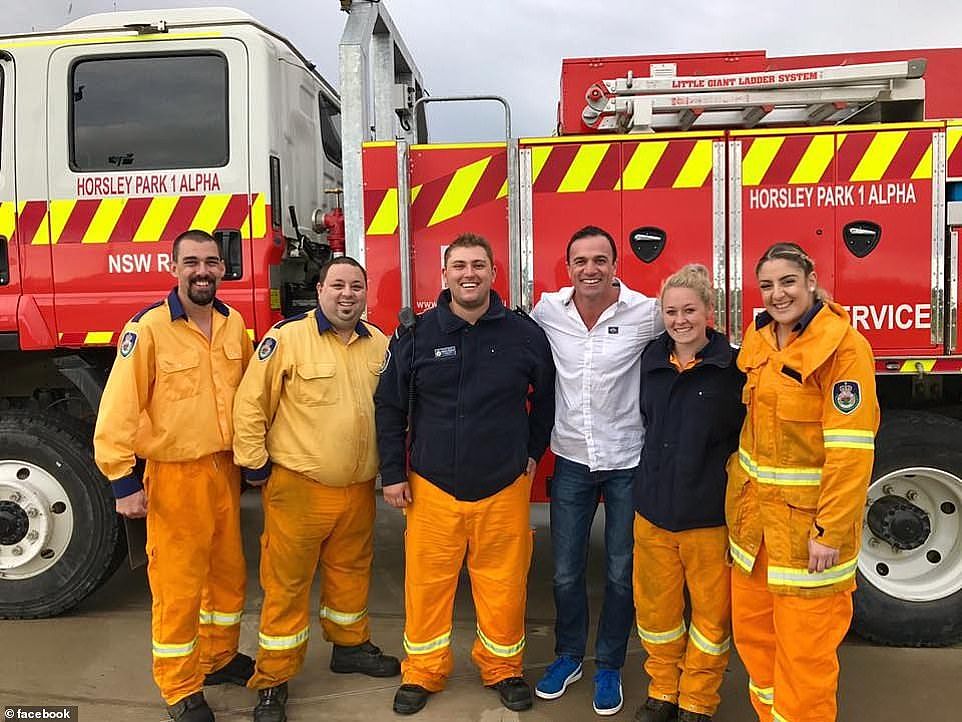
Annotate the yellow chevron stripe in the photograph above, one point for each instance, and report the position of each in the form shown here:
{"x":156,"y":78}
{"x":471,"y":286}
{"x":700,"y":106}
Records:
{"x":259,"y":216}
{"x":158,"y":213}
{"x":104,"y":220}
{"x":815,"y":160}
{"x":459,"y":190}
{"x":98,"y":337}
{"x":697,"y":166}
{"x":42,"y":236}
{"x":384,"y":222}
{"x":8,"y":218}
{"x":642,"y":164}
{"x":539,"y":156}
{"x":878,"y":156}
{"x":924,"y":169}
{"x":910,"y":366}
{"x":583,"y":168}
{"x":209,"y":214}
{"x":952,"y":137}
{"x":759,"y":159}
{"x":60,"y":211}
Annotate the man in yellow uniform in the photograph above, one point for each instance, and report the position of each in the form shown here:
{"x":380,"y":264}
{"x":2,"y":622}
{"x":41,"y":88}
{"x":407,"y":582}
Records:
{"x":304,"y":415}
{"x":168,"y":400}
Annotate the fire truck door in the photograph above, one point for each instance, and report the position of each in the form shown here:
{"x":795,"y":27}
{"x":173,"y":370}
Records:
{"x":9,"y":255}
{"x":147,"y":139}
{"x":890,"y":235}
{"x":781,"y":188}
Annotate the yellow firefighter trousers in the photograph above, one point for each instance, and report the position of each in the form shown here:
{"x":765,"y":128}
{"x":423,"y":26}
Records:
{"x":306,"y":523}
{"x":789,"y":646}
{"x":195,"y":565}
{"x":685,"y":664}
{"x":495,"y":533}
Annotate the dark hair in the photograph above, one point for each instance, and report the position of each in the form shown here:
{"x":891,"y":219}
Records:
{"x":785,"y":251}
{"x":198,"y":236}
{"x":589,"y":232}
{"x":469,"y":240}
{"x":340,"y":261}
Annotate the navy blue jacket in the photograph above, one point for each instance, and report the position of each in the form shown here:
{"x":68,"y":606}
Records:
{"x":692,"y":421}
{"x":472,"y":432}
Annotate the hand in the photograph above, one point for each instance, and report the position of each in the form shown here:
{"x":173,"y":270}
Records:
{"x":820,"y":557}
{"x":133,"y":506}
{"x":532,"y":467}
{"x":398,"y":495}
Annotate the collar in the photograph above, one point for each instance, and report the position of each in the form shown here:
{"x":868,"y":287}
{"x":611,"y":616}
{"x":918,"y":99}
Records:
{"x":450,"y":321}
{"x":177,"y":308}
{"x":568,"y":293}
{"x":765,"y":318}
{"x":324,"y":325}
{"x":717,"y":352}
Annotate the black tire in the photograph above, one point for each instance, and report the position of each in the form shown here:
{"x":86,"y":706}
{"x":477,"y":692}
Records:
{"x":912,"y":439}
{"x":61,"y":446}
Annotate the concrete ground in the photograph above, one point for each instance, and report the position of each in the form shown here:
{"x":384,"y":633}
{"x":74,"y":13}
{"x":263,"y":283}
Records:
{"x":98,"y":657}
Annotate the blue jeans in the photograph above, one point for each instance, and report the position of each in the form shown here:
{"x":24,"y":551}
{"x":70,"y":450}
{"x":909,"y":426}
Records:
{"x":575,"y":493}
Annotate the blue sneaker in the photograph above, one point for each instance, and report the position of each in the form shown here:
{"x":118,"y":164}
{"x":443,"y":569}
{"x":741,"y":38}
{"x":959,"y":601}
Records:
{"x":559,"y":674}
{"x":608,"y":699}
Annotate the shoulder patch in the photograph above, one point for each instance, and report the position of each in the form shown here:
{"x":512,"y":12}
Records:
{"x":267,"y":347}
{"x":846,"y":396}
{"x":127,"y":344}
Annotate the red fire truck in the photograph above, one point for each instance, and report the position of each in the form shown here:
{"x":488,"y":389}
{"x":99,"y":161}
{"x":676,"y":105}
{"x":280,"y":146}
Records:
{"x":710,"y":158}
{"x":119,"y":130}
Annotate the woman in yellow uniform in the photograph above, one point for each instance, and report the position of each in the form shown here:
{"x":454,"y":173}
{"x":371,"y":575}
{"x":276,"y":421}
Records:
{"x":691,"y":403}
{"x":797,"y":488}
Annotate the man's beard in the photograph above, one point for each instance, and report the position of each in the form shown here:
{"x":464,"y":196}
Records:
{"x":201,"y":296}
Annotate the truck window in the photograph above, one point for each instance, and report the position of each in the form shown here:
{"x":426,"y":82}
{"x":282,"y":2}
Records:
{"x":149,"y":112}
{"x":331,"y":130}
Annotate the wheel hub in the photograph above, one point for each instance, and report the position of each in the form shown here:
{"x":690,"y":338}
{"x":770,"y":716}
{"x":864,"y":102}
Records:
{"x":14,"y":523}
{"x":899,"y":522}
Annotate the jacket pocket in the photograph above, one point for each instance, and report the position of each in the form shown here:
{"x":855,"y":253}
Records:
{"x":179,"y":376}
{"x":799,"y":428}
{"x":234,"y":365}
{"x":315,"y":384}
{"x":800,"y":521}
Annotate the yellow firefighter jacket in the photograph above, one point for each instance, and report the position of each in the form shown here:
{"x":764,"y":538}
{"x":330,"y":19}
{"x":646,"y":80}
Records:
{"x":307,"y":402}
{"x":806,"y":450}
{"x":170,"y":392}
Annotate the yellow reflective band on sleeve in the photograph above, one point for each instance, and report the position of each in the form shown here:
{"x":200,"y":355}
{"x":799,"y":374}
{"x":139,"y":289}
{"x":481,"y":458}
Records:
{"x":848,"y":439}
{"x":777,"y":717}
{"x":173,"y":650}
{"x":792,"y":577}
{"x":706,"y":645}
{"x":291,"y":641}
{"x":741,"y":557}
{"x":220,"y":619}
{"x":342,"y":618}
{"x":500,"y":650}
{"x":431,"y":645}
{"x":662,"y":637}
{"x":779,"y":475}
{"x":765,"y":695}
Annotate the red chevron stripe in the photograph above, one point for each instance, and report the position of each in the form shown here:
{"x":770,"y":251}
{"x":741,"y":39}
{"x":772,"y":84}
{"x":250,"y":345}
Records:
{"x":555,"y":168}
{"x":670,"y":163}
{"x":235,"y":213}
{"x":29,"y":220}
{"x":609,"y":170}
{"x":490,"y":182}
{"x":133,"y":213}
{"x":907,"y":158}
{"x":786,"y":160}
{"x":180,"y":219}
{"x":79,"y":220}
{"x":849,"y":155}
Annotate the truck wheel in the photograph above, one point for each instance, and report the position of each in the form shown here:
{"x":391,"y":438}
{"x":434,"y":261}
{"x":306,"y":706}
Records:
{"x":58,"y":528}
{"x":910,"y":568}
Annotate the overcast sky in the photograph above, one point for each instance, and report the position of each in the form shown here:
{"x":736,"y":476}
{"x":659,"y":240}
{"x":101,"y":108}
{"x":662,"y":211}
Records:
{"x":514,"y":48}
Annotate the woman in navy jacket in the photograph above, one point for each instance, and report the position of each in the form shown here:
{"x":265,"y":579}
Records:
{"x":691,"y":404}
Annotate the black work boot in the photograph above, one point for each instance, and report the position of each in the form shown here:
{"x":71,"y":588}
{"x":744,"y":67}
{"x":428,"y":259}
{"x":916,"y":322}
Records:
{"x":192,"y":708}
{"x":657,"y":710}
{"x":364,"y":658}
{"x":410,"y":698}
{"x":270,"y":704}
{"x":685,"y":715}
{"x":237,"y":671}
{"x":515,"y":693}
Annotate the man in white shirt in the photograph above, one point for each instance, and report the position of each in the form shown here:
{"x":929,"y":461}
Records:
{"x":597,"y":328}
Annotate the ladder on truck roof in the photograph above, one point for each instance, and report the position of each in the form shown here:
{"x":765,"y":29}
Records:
{"x":805,"y":96}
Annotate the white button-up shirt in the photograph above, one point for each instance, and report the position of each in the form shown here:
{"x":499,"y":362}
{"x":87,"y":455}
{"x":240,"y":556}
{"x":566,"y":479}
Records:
{"x":597,"y":418}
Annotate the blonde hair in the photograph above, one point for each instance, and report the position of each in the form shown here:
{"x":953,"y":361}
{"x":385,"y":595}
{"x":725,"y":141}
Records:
{"x":693,"y":276}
